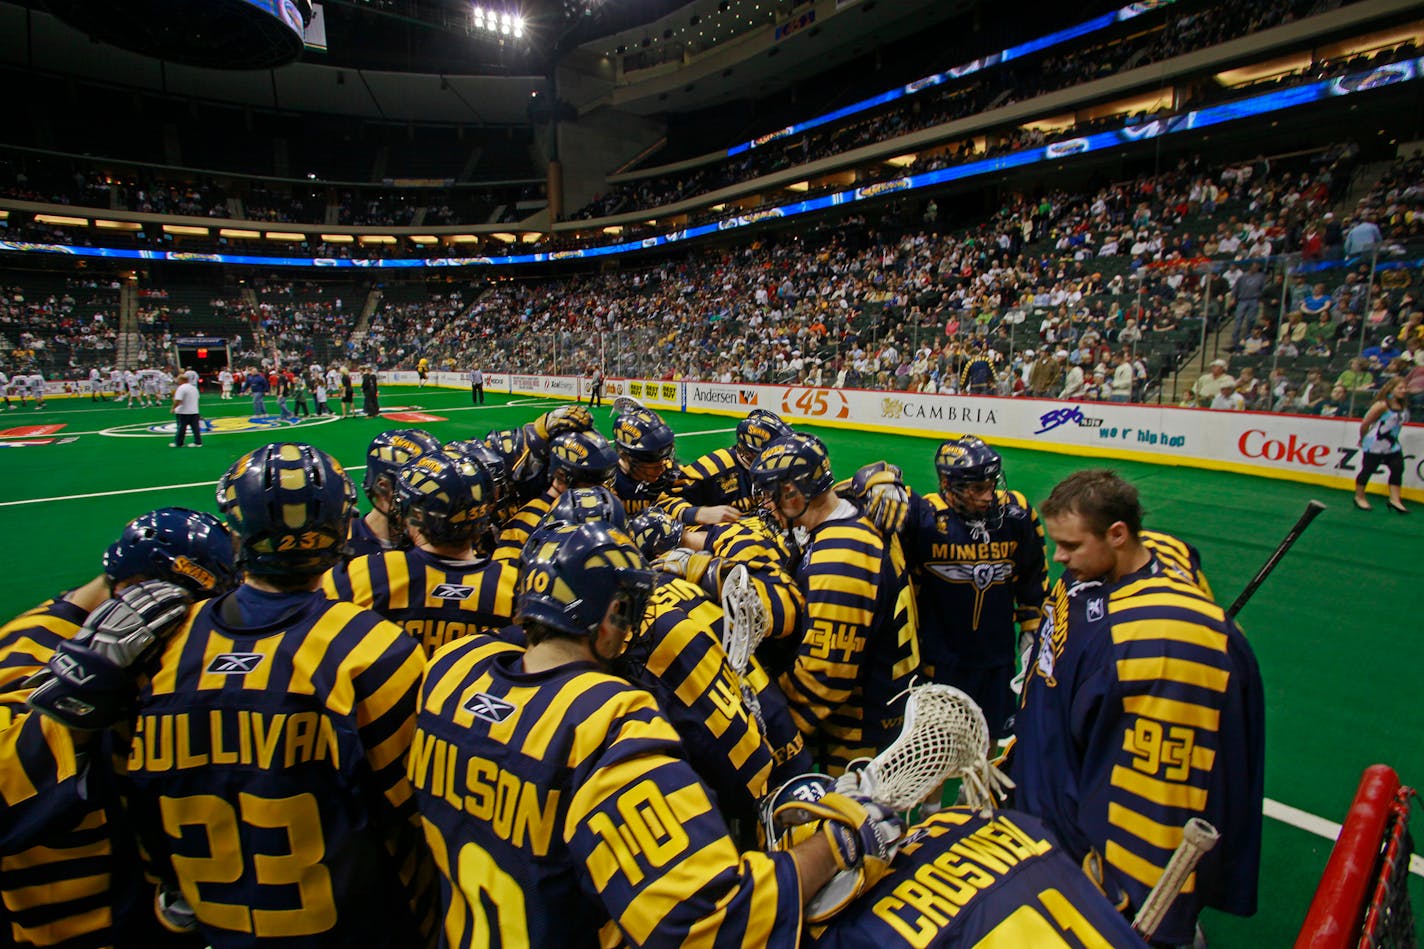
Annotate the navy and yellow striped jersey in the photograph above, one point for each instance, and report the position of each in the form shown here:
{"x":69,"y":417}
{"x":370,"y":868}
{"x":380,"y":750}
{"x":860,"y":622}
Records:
{"x":557,"y":801}
{"x":29,"y":640}
{"x":859,"y":647}
{"x":361,"y":540}
{"x":973,"y":582}
{"x":714,"y":479}
{"x":747,"y":544}
{"x":41,"y":774}
{"x":1176,"y":557}
{"x":514,"y":533}
{"x":266,"y":775}
{"x":1143,"y":709}
{"x":637,"y":496}
{"x":995,"y":882}
{"x":677,"y":655}
{"x":56,"y":855}
{"x":433,"y":599}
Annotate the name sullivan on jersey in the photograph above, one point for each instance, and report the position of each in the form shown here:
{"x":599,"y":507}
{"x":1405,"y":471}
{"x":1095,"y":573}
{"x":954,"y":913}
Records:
{"x":175,"y":742}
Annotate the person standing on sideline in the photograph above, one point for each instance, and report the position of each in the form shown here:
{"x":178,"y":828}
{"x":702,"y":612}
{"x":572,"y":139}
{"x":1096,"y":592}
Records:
{"x":225,"y":380}
{"x":282,"y":380}
{"x":595,"y":388}
{"x":185,"y":409}
{"x":370,"y":393}
{"x":299,"y":395}
{"x":320,"y":381}
{"x":477,"y":386}
{"x":422,"y":369}
{"x":1379,"y":441}
{"x":348,"y":392}
{"x":257,"y":384}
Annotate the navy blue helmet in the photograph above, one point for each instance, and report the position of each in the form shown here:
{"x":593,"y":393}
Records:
{"x":799,"y":459}
{"x":759,"y":429}
{"x":445,"y":495}
{"x":389,"y":451}
{"x":290,"y":506}
{"x":965,"y":462}
{"x":585,"y":459}
{"x":484,"y":454}
{"x":643,"y":436}
{"x":524,"y":469}
{"x":575,"y":573}
{"x":655,"y":531}
{"x":190,"y":548}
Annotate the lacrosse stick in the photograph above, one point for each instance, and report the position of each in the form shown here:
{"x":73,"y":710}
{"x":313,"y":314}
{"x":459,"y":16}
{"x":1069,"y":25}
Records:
{"x":626,"y":403}
{"x":944,"y":736}
{"x":1198,"y":837}
{"x":744,"y":626}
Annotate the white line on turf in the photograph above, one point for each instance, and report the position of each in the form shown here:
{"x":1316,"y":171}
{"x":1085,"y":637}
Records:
{"x":1304,"y":820}
{"x":110,"y":494}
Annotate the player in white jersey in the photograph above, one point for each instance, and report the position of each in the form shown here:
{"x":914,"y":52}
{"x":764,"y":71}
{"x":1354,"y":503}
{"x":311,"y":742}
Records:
{"x":6,"y":387}
{"x":37,"y":388}
{"x":116,"y":382}
{"x":132,"y":385}
{"x":96,"y":383}
{"x":225,"y":380}
{"x":152,"y":381}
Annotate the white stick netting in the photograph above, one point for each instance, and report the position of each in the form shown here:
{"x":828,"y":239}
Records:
{"x":626,"y":403}
{"x":744,"y":625}
{"x":944,"y":736}
{"x":745,"y":622}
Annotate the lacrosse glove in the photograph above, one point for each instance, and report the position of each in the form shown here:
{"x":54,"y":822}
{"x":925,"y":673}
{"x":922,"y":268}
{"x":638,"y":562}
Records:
{"x":90,"y":681}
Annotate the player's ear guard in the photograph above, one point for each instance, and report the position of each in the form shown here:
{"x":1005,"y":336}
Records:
{"x":90,"y":681}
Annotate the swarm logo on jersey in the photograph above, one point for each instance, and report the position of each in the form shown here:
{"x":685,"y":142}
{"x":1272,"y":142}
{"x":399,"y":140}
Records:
{"x":219,"y":426}
{"x":980,"y":575}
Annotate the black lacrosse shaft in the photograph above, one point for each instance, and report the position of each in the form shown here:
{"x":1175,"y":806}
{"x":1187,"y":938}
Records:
{"x":1312,"y":510}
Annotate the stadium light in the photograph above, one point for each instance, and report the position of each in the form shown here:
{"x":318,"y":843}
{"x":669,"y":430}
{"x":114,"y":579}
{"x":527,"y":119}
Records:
{"x":498,"y":22}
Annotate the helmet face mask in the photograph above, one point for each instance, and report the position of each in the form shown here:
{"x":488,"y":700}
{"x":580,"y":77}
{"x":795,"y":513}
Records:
{"x":387,"y":454}
{"x":582,"y":460}
{"x":755,"y":432}
{"x":971,"y":477}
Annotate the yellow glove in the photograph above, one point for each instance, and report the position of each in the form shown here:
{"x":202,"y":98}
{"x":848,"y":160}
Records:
{"x":862,"y":837}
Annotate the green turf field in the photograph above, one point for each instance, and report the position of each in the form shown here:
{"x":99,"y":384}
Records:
{"x":1332,"y":627}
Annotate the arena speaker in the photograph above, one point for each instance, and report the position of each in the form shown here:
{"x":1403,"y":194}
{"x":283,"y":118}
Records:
{"x":219,"y":34}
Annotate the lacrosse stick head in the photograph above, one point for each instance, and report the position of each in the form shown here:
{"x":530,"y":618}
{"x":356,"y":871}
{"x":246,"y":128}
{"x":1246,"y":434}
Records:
{"x":745,"y":619}
{"x":944,"y":736}
{"x":624,"y":404}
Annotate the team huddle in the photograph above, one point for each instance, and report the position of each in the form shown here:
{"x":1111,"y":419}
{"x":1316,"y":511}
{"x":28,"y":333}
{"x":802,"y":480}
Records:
{"x":555,"y":689}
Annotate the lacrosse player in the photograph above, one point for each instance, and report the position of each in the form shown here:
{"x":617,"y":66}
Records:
{"x":1143,"y":708}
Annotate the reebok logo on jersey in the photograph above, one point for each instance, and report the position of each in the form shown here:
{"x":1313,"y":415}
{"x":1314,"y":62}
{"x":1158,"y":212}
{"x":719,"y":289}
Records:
{"x":485,"y":706}
{"x":235,"y":663}
{"x":452,"y":591}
